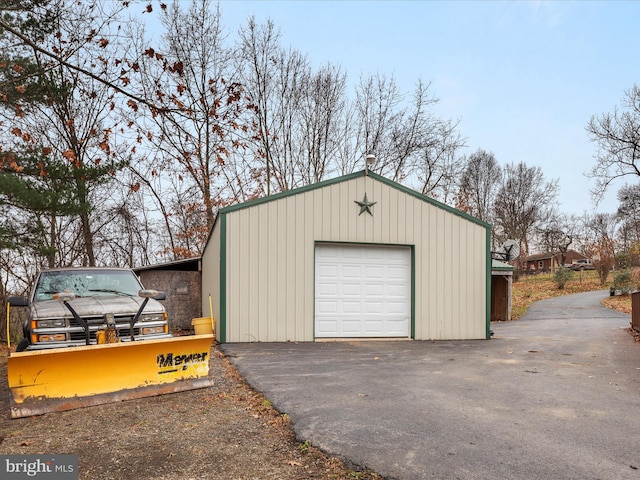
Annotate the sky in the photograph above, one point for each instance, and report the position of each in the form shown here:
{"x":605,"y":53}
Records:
{"x":522,"y":78}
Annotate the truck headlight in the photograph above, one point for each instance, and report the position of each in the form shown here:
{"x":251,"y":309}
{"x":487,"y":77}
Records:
{"x":153,"y":317}
{"x":59,"y":322}
{"x":52,"y":337}
{"x":152,"y":330}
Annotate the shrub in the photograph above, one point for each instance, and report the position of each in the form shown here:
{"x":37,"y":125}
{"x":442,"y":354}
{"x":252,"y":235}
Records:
{"x":624,"y":282}
{"x":623,"y":261}
{"x":562,"y":276}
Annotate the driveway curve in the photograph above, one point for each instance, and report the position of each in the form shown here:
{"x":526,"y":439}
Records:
{"x":554,"y":395}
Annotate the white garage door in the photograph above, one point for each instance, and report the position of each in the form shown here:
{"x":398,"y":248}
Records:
{"x":362,"y":291}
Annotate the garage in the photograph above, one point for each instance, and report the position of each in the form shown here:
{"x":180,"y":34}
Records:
{"x":357,"y":256}
{"x":362,"y":291}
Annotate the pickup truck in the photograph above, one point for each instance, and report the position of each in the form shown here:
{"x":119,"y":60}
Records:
{"x":582,"y":264}
{"x":77,"y":306}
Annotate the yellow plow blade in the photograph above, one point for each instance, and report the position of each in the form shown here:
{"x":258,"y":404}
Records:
{"x":66,"y":378}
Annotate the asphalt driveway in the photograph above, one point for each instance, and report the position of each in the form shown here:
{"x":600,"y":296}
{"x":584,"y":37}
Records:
{"x":554,"y":395}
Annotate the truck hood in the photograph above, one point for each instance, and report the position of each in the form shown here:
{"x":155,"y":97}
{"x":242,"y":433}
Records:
{"x":94,"y":306}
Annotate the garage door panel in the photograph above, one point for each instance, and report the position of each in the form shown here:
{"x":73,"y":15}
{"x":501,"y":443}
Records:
{"x":326,"y":289}
{"x":330,"y":307}
{"x":371,"y":291}
{"x":374,"y":290}
{"x":399,"y":308}
{"x":396,"y":329}
{"x":353,"y":255}
{"x":327,"y":271}
{"x":328,"y":252}
{"x":351,"y":271}
{"x":372,"y":253}
{"x":396,"y":273}
{"x":351,"y":307}
{"x":396,"y":291}
{"x":375,"y":272}
{"x":374,"y":308}
{"x":327,"y":326}
{"x":351,"y":290}
{"x":350,"y":325}
{"x":397,"y":256}
{"x":374,"y":326}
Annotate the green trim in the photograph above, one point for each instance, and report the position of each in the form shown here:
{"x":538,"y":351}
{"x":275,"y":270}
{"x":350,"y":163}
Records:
{"x":345,"y":178}
{"x":315,"y":246}
{"x":413,"y":292}
{"x":488,"y":283}
{"x":223,"y":278}
{"x":412,"y":328}
{"x":499,"y":266}
{"x":289,"y":193}
{"x":340,"y":242}
{"x":430,"y":200}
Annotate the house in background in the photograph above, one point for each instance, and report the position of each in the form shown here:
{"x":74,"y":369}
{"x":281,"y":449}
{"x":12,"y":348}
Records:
{"x":357,"y":256}
{"x":549,"y":262}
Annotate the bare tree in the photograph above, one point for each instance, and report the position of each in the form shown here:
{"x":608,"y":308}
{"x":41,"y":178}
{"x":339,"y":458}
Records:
{"x":599,"y":243}
{"x":298,"y":114}
{"x":628,"y":215}
{"x":617,"y":136}
{"x":413,"y":145}
{"x":196,"y":130}
{"x":322,"y":111}
{"x":479,"y":183}
{"x":522,"y":202}
{"x":283,"y":105}
{"x":379,"y":119}
{"x":128,"y":231}
{"x":30,"y":22}
{"x":440,"y":167}
{"x":557,"y":233}
{"x":273,"y":78}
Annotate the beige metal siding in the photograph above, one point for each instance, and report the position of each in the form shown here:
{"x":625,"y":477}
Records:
{"x":270,"y":260}
{"x":211,"y":277}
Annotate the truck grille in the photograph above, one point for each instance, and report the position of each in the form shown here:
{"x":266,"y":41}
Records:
{"x":98,"y":323}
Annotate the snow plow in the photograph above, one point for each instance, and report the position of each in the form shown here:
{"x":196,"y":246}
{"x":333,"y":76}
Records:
{"x":60,"y":379}
{"x":104,"y":341}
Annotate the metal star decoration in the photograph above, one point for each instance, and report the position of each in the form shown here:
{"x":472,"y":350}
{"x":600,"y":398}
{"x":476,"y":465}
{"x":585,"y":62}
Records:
{"x":365,"y":205}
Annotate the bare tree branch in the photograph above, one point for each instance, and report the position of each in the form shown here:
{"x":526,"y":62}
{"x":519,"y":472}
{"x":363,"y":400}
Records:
{"x":59,"y":60}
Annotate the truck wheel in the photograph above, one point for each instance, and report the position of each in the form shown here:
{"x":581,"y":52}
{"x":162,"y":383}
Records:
{"x":22,"y":345}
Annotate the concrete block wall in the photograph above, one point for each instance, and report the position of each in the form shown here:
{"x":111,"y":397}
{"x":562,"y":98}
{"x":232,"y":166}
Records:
{"x":183,"y":292}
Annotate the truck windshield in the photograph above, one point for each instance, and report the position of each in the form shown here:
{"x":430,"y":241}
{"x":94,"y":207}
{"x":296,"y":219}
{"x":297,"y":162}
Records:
{"x":85,"y":283}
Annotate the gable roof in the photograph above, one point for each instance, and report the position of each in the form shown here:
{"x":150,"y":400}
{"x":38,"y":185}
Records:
{"x":541,"y":256}
{"x":550,"y":255}
{"x":345,"y":178}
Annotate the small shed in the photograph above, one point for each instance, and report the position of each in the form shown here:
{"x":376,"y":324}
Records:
{"x":501,"y":284}
{"x":180,"y":280}
{"x":358,"y":256}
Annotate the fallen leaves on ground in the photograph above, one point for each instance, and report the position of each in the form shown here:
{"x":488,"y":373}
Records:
{"x":534,"y":288}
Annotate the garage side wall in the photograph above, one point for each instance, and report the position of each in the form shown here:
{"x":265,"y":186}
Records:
{"x":211,"y":277}
{"x":269,"y":275}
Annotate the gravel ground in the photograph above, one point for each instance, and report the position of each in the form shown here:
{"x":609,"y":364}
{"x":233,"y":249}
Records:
{"x":227,"y":431}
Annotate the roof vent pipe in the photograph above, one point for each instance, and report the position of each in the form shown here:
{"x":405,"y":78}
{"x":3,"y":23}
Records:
{"x":370,"y":159}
